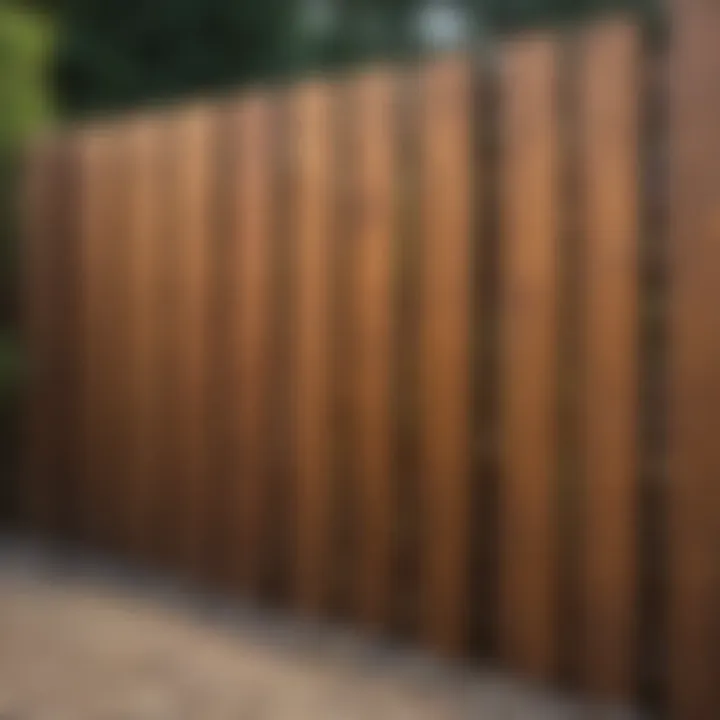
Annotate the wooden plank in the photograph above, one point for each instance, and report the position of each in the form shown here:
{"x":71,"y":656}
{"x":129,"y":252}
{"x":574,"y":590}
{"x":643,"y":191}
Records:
{"x":95,"y":187}
{"x":167,"y":502}
{"x":116,"y":338}
{"x":115,"y":333}
{"x":444,"y":371}
{"x":65,"y":287}
{"x":191,"y":244}
{"x":609,"y":93}
{"x":40,"y":186}
{"x":372,"y":302}
{"x":310,"y":250}
{"x":694,"y":499}
{"x":53,"y":288}
{"x":529,"y":298}
{"x":250,"y":303}
{"x":141,"y":142}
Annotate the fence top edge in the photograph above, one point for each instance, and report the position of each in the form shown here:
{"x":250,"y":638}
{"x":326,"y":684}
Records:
{"x":484,"y":54}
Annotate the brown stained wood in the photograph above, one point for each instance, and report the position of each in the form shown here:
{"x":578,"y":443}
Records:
{"x":609,"y":94}
{"x":68,"y":348}
{"x":53,"y":287}
{"x":444,"y":353}
{"x":694,"y":496}
{"x":117,"y":338}
{"x":98,"y":509}
{"x":191,"y":243}
{"x":311,"y":411}
{"x":113,"y":334}
{"x":528,"y":326}
{"x":141,"y":143}
{"x":40,"y":185}
{"x":167,"y":501}
{"x":373,"y":195}
{"x":250,"y":307}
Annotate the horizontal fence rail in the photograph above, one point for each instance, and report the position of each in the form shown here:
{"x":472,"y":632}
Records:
{"x":385,"y":348}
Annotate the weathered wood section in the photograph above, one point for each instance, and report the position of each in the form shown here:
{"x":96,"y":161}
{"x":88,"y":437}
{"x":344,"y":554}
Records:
{"x":694,"y":497}
{"x":609,"y":92}
{"x":311,"y":418}
{"x":444,"y":353}
{"x":529,"y":307}
{"x":373,"y":316}
{"x":255,"y":351}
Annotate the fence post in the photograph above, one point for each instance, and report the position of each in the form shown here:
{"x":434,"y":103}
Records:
{"x":694,"y":501}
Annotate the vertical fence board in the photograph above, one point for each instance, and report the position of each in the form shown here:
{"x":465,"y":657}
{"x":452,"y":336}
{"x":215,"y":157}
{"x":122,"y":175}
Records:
{"x":372,"y":307}
{"x":250,"y":302}
{"x":95,"y":156}
{"x":167,"y":503}
{"x":68,"y":343}
{"x":113,"y":337}
{"x":192,"y":243}
{"x":310,"y":248}
{"x":117,"y":340}
{"x":694,"y":499}
{"x":529,"y":248}
{"x":609,"y":157}
{"x":38,"y":498}
{"x":143,"y":250}
{"x":444,"y":353}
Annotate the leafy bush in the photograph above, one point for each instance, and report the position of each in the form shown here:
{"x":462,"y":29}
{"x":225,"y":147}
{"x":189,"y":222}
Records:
{"x":25,"y":39}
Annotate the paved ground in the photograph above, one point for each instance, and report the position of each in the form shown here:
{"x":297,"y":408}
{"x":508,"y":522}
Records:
{"x":82,"y":641}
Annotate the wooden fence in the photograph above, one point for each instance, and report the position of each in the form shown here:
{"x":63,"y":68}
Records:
{"x":408,"y":347}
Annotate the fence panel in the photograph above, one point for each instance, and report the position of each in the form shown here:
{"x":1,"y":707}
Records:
{"x":182,"y":274}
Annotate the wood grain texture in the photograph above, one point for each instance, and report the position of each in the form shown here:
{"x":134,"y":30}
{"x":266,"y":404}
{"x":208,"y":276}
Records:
{"x":694,"y":494}
{"x":117,"y":338}
{"x":529,"y":318}
{"x":99,"y":510}
{"x":310,"y":308}
{"x":141,"y":141}
{"x":69,"y":340}
{"x":609,"y":95}
{"x":191,"y":244}
{"x":373,"y":193}
{"x":444,"y":353}
{"x":250,"y":307}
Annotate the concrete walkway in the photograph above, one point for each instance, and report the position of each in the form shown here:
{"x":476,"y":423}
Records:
{"x":82,"y":640}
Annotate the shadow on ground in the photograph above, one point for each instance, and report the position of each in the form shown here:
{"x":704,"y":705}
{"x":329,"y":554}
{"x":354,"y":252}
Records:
{"x":82,"y":639}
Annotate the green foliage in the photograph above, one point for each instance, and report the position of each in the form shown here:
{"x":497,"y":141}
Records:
{"x":120,"y":53}
{"x":25,"y":44}
{"x":24,"y":51}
